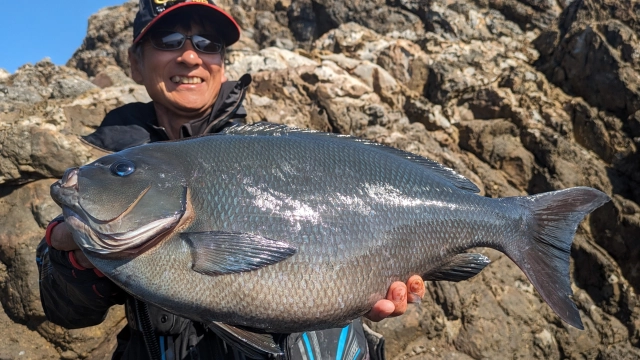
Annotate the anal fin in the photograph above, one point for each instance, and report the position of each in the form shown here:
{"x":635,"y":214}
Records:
{"x":252,"y":344}
{"x":460,"y":267}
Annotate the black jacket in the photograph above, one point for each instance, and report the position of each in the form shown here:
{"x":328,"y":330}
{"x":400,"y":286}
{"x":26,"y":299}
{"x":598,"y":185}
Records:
{"x":75,"y":298}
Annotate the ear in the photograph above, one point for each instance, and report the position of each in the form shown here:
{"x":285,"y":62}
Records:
{"x":135,"y":66}
{"x":224,"y":78}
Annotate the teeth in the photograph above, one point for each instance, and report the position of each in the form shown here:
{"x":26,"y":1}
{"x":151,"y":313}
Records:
{"x":70,"y":178}
{"x":186,"y":80}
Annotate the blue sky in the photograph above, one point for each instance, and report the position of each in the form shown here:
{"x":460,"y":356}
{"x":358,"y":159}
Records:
{"x":32,"y":30}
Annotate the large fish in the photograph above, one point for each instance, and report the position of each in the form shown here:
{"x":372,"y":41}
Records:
{"x":286,"y":230}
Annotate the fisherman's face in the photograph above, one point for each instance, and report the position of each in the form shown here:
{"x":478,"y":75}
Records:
{"x":185,"y":81}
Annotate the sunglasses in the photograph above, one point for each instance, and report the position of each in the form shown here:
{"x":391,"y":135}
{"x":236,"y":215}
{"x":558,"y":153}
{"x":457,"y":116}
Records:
{"x":173,"y":40}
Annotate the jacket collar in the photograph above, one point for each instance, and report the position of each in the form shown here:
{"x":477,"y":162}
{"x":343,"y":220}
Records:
{"x":227,"y":106}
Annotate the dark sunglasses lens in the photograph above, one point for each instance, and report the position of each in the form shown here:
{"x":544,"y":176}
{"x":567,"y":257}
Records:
{"x":166,"y":40}
{"x":207,"y":43}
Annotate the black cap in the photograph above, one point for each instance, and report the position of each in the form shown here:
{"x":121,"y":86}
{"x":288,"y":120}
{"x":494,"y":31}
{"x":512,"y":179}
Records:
{"x":153,"y":10}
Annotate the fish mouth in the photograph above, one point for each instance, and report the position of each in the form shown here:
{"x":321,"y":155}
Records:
{"x":65,"y":190}
{"x":70,"y":179}
{"x":122,"y":244}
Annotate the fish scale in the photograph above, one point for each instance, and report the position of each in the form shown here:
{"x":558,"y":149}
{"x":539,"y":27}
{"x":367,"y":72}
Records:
{"x":339,"y":219}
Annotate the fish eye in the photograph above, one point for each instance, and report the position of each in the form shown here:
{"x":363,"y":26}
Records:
{"x":123,"y":168}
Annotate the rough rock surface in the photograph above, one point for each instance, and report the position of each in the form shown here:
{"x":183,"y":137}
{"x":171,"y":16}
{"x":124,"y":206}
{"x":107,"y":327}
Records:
{"x":594,"y":53}
{"x":519,"y":96}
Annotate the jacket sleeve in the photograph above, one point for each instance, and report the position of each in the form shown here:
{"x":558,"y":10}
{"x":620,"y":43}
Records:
{"x":71,"y":297}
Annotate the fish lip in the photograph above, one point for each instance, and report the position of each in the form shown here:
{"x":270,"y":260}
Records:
{"x":70,"y":179}
{"x":117,"y":245}
{"x":65,"y":193}
{"x":120,"y":245}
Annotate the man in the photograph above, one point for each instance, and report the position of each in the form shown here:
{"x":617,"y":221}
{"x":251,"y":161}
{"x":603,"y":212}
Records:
{"x":178,"y":55}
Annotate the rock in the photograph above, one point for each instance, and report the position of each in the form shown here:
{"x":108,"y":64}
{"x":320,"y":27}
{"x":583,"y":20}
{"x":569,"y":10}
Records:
{"x":633,"y":126}
{"x":20,"y":342}
{"x":499,"y":91}
{"x":93,"y":342}
{"x":565,"y":164}
{"x":20,"y":297}
{"x":604,"y":135}
{"x":374,"y":14}
{"x":344,"y":98}
{"x":407,"y":63}
{"x":245,"y":19}
{"x":4,"y":74}
{"x":424,"y":112}
{"x":350,"y":39}
{"x":109,"y":37}
{"x":268,"y":59}
{"x":24,"y":213}
{"x":112,"y":76}
{"x":303,"y":21}
{"x":528,"y":13}
{"x":590,"y":55}
{"x":18,"y":94}
{"x":112,"y":97}
{"x":245,"y":46}
{"x":28,"y":154}
{"x":497,"y":143}
{"x":620,"y":244}
{"x":382,"y":83}
{"x":68,"y":355}
{"x":272,"y":30}
{"x":70,"y":87}
{"x":282,"y":97}
{"x":32,"y":84}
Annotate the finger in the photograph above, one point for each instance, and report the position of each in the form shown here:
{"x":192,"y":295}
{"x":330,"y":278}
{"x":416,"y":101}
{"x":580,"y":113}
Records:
{"x":397,"y":294}
{"x":416,"y":288}
{"x":82,"y":259}
{"x":61,"y":238}
{"x":381,"y":310}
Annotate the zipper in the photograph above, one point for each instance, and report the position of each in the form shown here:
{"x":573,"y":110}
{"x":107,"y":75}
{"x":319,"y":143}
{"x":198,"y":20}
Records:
{"x":244,"y":81}
{"x":148,"y":335}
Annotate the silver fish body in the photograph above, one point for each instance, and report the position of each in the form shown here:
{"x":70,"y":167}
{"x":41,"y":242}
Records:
{"x":287,"y":230}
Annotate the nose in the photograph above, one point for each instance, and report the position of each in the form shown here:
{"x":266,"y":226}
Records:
{"x":70,"y":178}
{"x":189,"y":56}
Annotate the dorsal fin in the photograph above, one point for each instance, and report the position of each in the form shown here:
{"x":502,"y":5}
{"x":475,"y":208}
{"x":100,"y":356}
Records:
{"x":270,"y":129}
{"x":266,"y":129}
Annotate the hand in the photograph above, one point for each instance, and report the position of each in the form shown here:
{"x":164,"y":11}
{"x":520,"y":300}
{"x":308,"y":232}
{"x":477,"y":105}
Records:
{"x":397,"y":299}
{"x":61,"y":239}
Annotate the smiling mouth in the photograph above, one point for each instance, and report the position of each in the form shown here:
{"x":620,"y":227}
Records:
{"x":186,"y":80}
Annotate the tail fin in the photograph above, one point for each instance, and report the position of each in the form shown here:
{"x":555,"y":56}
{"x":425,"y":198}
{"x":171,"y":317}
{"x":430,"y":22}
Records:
{"x":544,"y":254}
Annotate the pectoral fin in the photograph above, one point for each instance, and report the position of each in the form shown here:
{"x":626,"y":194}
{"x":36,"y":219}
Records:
{"x":252,"y":344}
{"x":460,"y":267}
{"x":219,"y":252}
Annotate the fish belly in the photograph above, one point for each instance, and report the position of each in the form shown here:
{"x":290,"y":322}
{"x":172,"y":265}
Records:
{"x":330,"y":281}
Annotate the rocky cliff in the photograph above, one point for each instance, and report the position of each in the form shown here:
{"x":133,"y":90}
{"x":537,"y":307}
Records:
{"x":519,"y":96}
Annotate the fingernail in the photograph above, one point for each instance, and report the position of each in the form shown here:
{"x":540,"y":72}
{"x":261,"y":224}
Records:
{"x":415,"y":287}
{"x":399,"y":294}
